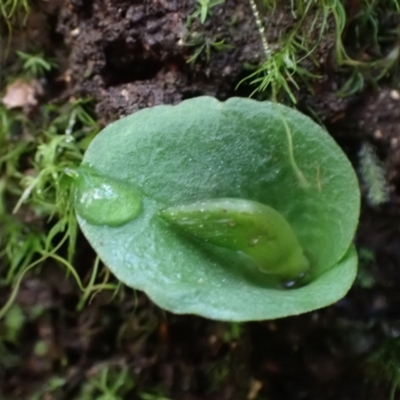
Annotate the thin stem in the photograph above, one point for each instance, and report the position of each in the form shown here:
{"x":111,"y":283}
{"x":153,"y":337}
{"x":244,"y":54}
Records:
{"x":89,"y":287}
{"x":299,"y":174}
{"x":261,"y":29}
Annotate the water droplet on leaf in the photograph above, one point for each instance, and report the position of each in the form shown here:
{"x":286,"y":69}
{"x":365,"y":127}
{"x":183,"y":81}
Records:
{"x":102,"y":200}
{"x":294,"y":283}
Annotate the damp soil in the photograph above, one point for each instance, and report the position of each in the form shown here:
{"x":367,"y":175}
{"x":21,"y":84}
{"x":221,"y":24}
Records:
{"x":127,"y":55}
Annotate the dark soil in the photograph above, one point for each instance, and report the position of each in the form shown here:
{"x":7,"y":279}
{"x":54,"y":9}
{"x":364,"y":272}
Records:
{"x":128,"y":55}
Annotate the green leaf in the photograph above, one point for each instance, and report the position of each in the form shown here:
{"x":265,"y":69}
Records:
{"x":203,"y":14}
{"x":204,"y":149}
{"x":246,"y":226}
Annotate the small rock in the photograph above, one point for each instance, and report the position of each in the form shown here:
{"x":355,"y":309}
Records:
{"x":75,"y":32}
{"x":378,"y":134}
{"x":20,"y":94}
{"x":394,"y":95}
{"x":255,"y":387}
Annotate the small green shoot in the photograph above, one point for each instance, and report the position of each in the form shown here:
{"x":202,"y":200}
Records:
{"x":53,"y":386}
{"x":219,"y":372}
{"x":14,"y":321}
{"x":200,"y":38}
{"x":364,"y":277}
{"x":384,"y":365}
{"x":35,"y":65}
{"x":51,"y":146}
{"x":205,"y":45}
{"x":10,"y":10}
{"x":108,"y":382}
{"x":232,"y":332}
{"x":282,"y":68}
{"x":204,"y":9}
{"x":282,"y":61}
{"x":47,"y":187}
{"x":373,"y":176}
{"x":41,"y":348}
{"x":279,"y":72}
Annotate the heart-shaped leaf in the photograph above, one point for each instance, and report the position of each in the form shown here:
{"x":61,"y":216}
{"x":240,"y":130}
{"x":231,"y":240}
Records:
{"x":204,"y":149}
